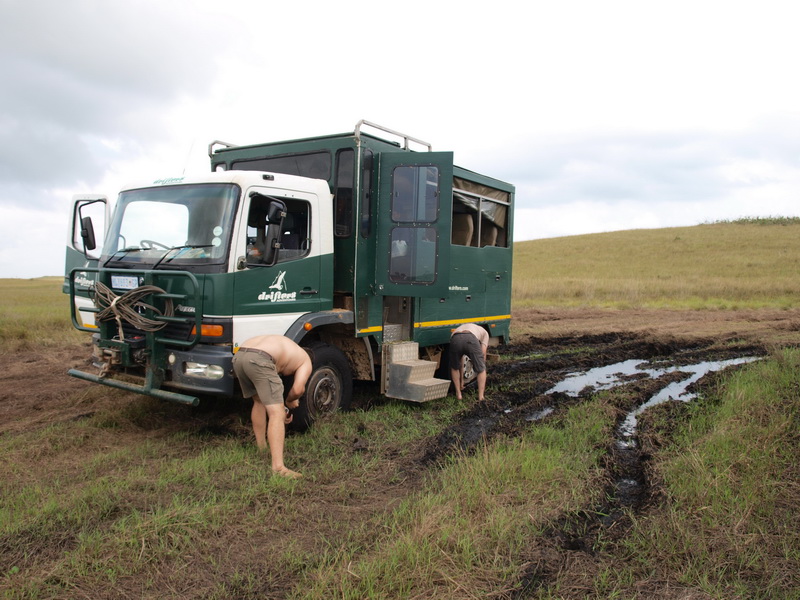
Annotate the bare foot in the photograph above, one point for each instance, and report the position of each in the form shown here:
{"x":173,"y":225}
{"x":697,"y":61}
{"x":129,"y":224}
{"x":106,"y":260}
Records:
{"x":288,"y":473}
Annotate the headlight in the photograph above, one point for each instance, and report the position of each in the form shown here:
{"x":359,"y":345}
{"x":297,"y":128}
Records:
{"x":193,"y":369}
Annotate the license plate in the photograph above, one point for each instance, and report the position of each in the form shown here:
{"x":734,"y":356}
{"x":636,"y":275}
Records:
{"x":124,"y":282}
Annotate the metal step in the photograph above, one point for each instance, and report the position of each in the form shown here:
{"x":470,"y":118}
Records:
{"x":411,"y":378}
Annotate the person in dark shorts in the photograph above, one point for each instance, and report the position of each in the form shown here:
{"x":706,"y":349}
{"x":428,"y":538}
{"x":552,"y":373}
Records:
{"x":258,"y":364}
{"x":473,"y":341}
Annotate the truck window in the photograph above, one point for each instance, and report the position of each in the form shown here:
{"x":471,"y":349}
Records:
{"x":316,"y":165}
{"x":480,"y":215}
{"x":172,"y":225}
{"x":366,"y":193}
{"x":343,"y":193}
{"x":167,"y":223}
{"x":415,"y":194}
{"x":413,"y":258}
{"x":294,"y":242}
{"x":415,"y":207}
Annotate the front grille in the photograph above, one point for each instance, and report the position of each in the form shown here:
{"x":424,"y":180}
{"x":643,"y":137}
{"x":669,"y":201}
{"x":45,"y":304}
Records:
{"x":181,"y":332}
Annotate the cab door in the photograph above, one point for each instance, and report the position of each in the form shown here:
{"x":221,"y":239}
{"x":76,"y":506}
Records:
{"x":87,"y":229}
{"x":88,"y":224}
{"x":414,"y":213}
{"x":286,"y":262}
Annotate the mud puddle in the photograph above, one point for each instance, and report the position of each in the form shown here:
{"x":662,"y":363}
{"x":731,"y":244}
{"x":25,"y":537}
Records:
{"x":534,"y":399}
{"x":617,"y":374}
{"x":628,"y":486}
{"x":678,"y":390}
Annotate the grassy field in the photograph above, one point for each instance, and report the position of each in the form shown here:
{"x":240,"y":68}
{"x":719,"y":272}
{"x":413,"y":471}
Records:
{"x":34,"y":312}
{"x":744,"y":264}
{"x":136,"y":498}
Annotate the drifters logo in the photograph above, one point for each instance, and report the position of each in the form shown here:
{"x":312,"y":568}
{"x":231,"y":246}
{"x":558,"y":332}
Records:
{"x":278,"y":293}
{"x":82,"y":279}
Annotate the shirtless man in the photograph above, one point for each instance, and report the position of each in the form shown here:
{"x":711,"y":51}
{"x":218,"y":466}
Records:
{"x":473,"y":341}
{"x":258,"y":364}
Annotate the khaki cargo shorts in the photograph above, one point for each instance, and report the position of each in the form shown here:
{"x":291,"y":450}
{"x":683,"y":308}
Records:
{"x":257,"y":375}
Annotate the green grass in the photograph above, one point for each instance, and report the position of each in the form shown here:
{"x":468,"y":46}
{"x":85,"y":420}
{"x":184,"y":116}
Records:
{"x":732,"y":492}
{"x":34,"y":312}
{"x":467,"y":529}
{"x":108,"y":516}
{"x":748,"y":264}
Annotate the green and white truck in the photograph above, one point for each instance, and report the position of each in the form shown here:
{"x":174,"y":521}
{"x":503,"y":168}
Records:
{"x":359,"y":246}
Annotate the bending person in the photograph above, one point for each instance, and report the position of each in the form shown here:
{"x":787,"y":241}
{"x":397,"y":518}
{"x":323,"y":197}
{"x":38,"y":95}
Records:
{"x":258,"y":364}
{"x":473,"y":341}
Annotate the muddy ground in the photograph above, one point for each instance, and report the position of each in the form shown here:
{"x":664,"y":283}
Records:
{"x":35,"y":392}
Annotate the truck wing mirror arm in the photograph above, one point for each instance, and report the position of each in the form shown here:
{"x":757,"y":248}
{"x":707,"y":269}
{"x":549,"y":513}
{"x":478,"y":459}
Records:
{"x":273,"y":246}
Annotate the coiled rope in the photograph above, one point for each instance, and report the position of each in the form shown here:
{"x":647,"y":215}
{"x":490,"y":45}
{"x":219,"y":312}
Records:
{"x":129,"y":307}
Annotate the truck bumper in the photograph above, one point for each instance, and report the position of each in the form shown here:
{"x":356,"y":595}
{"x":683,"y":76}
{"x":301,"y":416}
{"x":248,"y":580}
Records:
{"x":184,"y":375}
{"x":139,"y":389}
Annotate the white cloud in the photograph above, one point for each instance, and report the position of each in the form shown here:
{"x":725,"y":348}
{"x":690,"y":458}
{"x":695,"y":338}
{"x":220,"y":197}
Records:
{"x":611,"y":115}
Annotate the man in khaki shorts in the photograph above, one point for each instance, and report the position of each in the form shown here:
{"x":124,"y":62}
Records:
{"x":259,"y":363}
{"x":473,"y":341}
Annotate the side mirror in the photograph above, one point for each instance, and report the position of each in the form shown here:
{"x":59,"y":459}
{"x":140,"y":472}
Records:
{"x":87,"y":233}
{"x":275,"y":215}
{"x":272,"y":222}
{"x":276,"y":211}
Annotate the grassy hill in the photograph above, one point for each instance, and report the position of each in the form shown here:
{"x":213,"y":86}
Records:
{"x":741,"y":264}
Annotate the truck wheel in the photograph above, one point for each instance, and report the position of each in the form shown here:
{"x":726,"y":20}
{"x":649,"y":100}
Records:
{"x":469,"y":371}
{"x":443,"y":372}
{"x":328,"y":389}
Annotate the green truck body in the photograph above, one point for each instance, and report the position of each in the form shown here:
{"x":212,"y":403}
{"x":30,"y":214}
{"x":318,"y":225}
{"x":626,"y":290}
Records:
{"x":357,"y":245}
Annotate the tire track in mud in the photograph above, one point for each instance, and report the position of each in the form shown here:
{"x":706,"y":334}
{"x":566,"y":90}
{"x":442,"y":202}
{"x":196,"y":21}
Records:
{"x":541,"y":364}
{"x":523,"y":393}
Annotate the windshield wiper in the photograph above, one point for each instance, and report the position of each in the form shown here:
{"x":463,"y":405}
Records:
{"x":124,"y":252}
{"x":164,"y":256}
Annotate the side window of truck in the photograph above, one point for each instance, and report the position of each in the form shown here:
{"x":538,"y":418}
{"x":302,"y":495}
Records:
{"x":316,"y":165}
{"x":294,"y":232}
{"x":366,"y":193}
{"x":343,"y":193}
{"x":480,"y":215}
{"x":293,"y":238}
{"x":415,"y":194}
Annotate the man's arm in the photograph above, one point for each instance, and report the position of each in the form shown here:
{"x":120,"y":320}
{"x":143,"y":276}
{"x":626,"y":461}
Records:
{"x":485,"y":344}
{"x":299,"y":386}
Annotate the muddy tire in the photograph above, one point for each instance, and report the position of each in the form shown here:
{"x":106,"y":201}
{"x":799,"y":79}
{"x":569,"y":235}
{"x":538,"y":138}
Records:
{"x":469,"y":370}
{"x":329,"y":388}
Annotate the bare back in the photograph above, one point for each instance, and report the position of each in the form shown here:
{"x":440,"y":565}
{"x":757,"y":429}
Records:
{"x":288,"y":356}
{"x":477,"y":331}
{"x":290,"y":359}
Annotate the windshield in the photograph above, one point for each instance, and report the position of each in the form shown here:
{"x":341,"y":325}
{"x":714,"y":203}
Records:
{"x":170,"y":226}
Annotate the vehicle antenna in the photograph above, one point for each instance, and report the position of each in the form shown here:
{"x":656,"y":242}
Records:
{"x":188,"y":155}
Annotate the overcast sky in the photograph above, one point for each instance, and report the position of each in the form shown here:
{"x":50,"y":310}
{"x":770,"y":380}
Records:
{"x":605,"y":115}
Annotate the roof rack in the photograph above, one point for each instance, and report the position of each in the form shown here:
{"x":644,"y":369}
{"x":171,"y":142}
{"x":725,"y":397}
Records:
{"x":214,"y":143}
{"x":406,"y":138}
